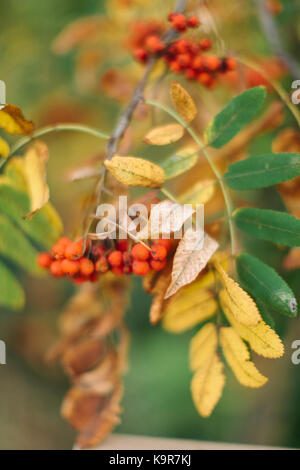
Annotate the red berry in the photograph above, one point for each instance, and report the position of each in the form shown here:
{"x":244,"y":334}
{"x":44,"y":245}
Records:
{"x":127,"y":258}
{"x":140,"y":252}
{"x":159,"y":252}
{"x":73,"y":251}
{"x":205,"y":44}
{"x":193,"y":22}
{"x":122,"y":245}
{"x":98,"y":250}
{"x":140,"y":54}
{"x":154,"y":44}
{"x":204,"y":78}
{"x":184,"y":59}
{"x":117,"y":270}
{"x":56,"y":269}
{"x":79,"y":279}
{"x":94,"y":277}
{"x":198,"y":62}
{"x":165,"y":242}
{"x":171,"y":16}
{"x":70,"y":267}
{"x":190,"y":74}
{"x":175,"y":66}
{"x":182,"y":46}
{"x":102,"y":265}
{"x":231,"y":64}
{"x":86,"y":266}
{"x":179,"y":22}
{"x":212,"y":63}
{"x":64,"y":241}
{"x":115,"y":258}
{"x":127,"y":269}
{"x":158,"y":265}
{"x":58,"y":250}
{"x":141,"y":268}
{"x":44,"y":260}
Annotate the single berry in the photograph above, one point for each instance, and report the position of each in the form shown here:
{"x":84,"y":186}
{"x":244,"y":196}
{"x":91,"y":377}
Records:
{"x":44,"y":260}
{"x":141,"y":268}
{"x":64,"y":241}
{"x":70,"y":267}
{"x":122,"y":245}
{"x":205,"y":44}
{"x":115,"y":258}
{"x":182,"y":46}
{"x":94,"y":277}
{"x":58,"y":250}
{"x":175,"y":66}
{"x":102,"y":265}
{"x":140,"y":54}
{"x":117,"y":270}
{"x":97,"y":251}
{"x":158,"y":265}
{"x":140,"y":252}
{"x":179,"y":22}
{"x":193,"y":22}
{"x":212,"y":63}
{"x":198,"y":62}
{"x":79,"y":279}
{"x":171,"y":16}
{"x":164,"y":242}
{"x":231,"y":64}
{"x":86,"y":266}
{"x":190,"y":74}
{"x":204,"y":78}
{"x":56,"y":269}
{"x":127,"y":258}
{"x":158,"y":252}
{"x":73,"y":251}
{"x":154,"y":44}
{"x":184,"y":59}
{"x":127,"y":269}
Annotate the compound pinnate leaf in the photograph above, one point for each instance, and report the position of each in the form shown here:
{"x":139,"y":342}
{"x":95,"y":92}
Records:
{"x":241,"y":305}
{"x":207,"y":385}
{"x":263,"y":171}
{"x":164,"y":135}
{"x":183,"y":102}
{"x":275,"y":226}
{"x":13,"y":121}
{"x":203,"y":345}
{"x":238,"y":357}
{"x":35,"y":162}
{"x":234,"y":117}
{"x":262,"y":339}
{"x":134,"y":171}
{"x":192,"y":255}
{"x":266,"y":285}
{"x":183,"y":160}
{"x":11,"y":292}
{"x":189,"y":307}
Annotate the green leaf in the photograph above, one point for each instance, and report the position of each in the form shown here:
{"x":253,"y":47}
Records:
{"x":44,"y":228}
{"x":234,"y":117}
{"x":16,"y":247}
{"x":262,"y":171}
{"x":266,"y":316}
{"x":11,"y":292}
{"x":264,"y":284}
{"x":184,"y":159}
{"x":275,"y":226}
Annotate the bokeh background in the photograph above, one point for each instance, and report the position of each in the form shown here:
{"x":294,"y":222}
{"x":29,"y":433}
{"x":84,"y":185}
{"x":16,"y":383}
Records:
{"x":157,"y":399}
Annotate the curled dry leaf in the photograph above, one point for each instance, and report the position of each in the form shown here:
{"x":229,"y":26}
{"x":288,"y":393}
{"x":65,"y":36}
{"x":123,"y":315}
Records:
{"x":133,"y":171}
{"x":164,"y":135}
{"x":13,"y":121}
{"x":35,"y":161}
{"x":165,"y":217}
{"x":183,"y":102}
{"x":241,"y":304}
{"x":262,"y":339}
{"x":238,"y":357}
{"x":189,"y":307}
{"x":207,"y":385}
{"x":192,"y":255}
{"x":157,"y":310}
{"x":82,"y":356}
{"x":203,"y":345}
{"x":4,"y":148}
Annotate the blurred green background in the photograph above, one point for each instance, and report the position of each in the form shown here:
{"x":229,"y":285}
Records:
{"x":157,"y":398}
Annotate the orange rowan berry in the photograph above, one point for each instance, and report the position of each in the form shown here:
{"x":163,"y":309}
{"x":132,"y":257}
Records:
{"x":183,"y":59}
{"x":175,"y":66}
{"x":182,"y":46}
{"x":73,"y":250}
{"x":205,"y":44}
{"x":98,"y":250}
{"x":141,"y":268}
{"x":94,"y":277}
{"x":140,"y":252}
{"x":203,"y":78}
{"x":122,"y":245}
{"x":115,"y":258}
{"x":127,"y":269}
{"x":198,"y":62}
{"x":44,"y":260}
{"x":56,"y":269}
{"x":179,"y":22}
{"x":158,"y":252}
{"x":171,"y":16}
{"x":140,"y":54}
{"x":86,"y":266}
{"x":102,"y":265}
{"x":231,"y":64}
{"x":193,"y":22}
{"x":117,"y":270}
{"x":79,"y":279}
{"x":64,"y":241}
{"x":190,"y":74}
{"x":165,"y":242}
{"x":157,"y":265}
{"x":127,"y":258}
{"x":212,"y":63}
{"x":58,"y":250}
{"x":154,"y":44}
{"x":70,"y":267}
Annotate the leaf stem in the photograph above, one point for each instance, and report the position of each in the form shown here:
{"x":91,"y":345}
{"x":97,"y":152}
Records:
{"x":227,"y":199}
{"x":53,"y":128}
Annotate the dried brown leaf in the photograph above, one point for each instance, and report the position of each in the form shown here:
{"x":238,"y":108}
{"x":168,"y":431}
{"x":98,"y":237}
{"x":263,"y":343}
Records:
{"x":13,"y":121}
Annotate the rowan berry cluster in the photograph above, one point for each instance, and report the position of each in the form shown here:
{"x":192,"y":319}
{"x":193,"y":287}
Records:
{"x":184,"y":55}
{"x":85,"y":261}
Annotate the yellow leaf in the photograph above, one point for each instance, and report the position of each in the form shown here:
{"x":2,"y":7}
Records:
{"x":4,"y":148}
{"x":164,"y":135}
{"x":203,"y":346}
{"x":241,"y":304}
{"x":238,"y":357}
{"x":188,"y":308}
{"x":207,"y":386}
{"x":262,"y":339}
{"x":200,"y":193}
{"x":13,"y":122}
{"x":134,"y":171}
{"x":35,"y":162}
{"x":183,"y":102}
{"x":192,"y":255}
